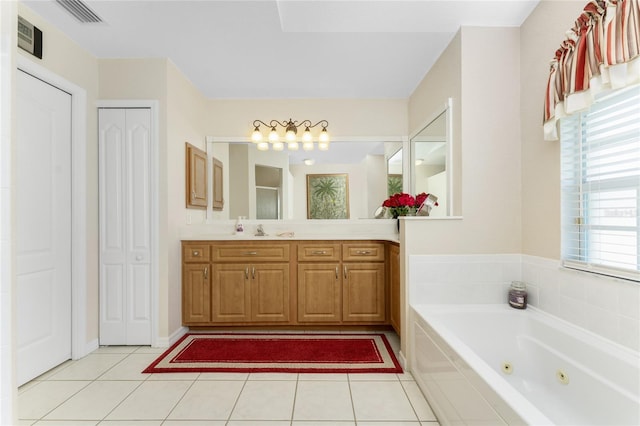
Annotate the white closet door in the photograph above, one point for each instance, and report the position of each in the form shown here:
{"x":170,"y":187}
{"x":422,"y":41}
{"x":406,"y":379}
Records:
{"x":125,"y":226}
{"x":43,"y":226}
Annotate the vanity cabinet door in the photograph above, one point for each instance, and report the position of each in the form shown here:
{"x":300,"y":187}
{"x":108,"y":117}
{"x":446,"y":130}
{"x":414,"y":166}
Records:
{"x":196,"y":293}
{"x":231,"y":294}
{"x":319,"y":292}
{"x":363,"y":297}
{"x":394,"y":287}
{"x":269,"y":292}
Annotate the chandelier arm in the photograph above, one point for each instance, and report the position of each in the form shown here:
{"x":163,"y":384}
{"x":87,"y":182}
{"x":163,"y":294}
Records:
{"x":323,"y":123}
{"x":278,"y":123}
{"x":256,"y":123}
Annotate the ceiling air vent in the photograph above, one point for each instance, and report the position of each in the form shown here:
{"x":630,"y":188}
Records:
{"x":80,"y":11}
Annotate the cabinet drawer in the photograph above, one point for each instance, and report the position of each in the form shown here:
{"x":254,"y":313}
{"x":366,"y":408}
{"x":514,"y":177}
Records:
{"x":193,"y":253}
{"x":363,"y":251}
{"x":318,"y":252}
{"x":250,"y":252}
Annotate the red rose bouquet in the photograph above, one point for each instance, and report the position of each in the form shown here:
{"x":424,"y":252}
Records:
{"x":403,"y":204}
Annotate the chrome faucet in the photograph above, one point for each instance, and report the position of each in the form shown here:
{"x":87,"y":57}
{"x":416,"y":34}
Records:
{"x":260,"y":231}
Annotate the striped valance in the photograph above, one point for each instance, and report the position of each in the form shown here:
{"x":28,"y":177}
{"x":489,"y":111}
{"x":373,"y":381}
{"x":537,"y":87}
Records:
{"x":601,"y":51}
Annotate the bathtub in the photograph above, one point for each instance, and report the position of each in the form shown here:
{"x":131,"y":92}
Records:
{"x":492,"y":364}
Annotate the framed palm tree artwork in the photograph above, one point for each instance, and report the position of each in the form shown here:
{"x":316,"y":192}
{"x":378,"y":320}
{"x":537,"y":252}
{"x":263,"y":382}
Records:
{"x":328,"y":196}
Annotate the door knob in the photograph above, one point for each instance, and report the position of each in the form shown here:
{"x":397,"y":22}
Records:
{"x":139,"y":257}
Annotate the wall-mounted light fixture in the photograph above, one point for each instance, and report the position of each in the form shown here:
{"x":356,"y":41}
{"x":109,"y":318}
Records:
{"x":290,"y":136}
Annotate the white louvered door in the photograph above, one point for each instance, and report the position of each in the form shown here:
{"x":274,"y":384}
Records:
{"x":125,"y":226}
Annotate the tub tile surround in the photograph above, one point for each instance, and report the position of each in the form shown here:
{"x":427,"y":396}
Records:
{"x":605,"y":306}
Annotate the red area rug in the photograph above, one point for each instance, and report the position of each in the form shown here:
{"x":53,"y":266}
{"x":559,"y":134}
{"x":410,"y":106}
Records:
{"x":277,"y":352}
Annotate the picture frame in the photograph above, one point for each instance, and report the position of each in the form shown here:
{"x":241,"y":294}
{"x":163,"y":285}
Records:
{"x":394,"y":184}
{"x":328,"y":196}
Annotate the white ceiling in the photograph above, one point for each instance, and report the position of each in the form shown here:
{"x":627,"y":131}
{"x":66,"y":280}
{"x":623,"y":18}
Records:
{"x":286,"y":48}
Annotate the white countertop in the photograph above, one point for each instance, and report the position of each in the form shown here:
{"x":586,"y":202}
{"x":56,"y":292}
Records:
{"x":321,"y":230}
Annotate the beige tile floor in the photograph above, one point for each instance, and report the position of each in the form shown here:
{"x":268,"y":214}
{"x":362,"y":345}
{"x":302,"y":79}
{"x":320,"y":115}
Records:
{"x":107,"y":388}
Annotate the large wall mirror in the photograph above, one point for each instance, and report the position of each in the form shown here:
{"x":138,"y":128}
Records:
{"x":430,"y":160}
{"x":273,"y":185}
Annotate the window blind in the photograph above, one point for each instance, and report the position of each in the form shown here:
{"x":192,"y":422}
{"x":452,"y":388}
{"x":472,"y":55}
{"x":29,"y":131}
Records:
{"x":600,"y":186}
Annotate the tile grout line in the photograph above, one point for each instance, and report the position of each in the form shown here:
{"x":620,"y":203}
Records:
{"x":90,"y":382}
{"x":295,"y":396}
{"x":180,"y":399}
{"x":129,"y":394}
{"x":235,"y":404}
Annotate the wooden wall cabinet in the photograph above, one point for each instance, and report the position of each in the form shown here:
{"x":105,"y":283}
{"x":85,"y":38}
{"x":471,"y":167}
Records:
{"x":218,"y":194}
{"x":196,"y":177}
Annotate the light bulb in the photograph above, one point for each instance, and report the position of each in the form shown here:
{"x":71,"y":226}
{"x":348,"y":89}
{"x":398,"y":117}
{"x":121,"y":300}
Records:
{"x":309,"y":161}
{"x":324,"y":135}
{"x":278,"y":146}
{"x":256,"y":136}
{"x":306,"y":136}
{"x":323,"y":146}
{"x":307,"y":146}
{"x":273,"y":135}
{"x":292,"y":146}
{"x":263,"y":146}
{"x":290,"y":136}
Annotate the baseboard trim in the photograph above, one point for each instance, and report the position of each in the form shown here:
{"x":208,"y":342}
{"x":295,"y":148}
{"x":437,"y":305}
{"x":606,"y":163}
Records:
{"x":165,"y":342}
{"x":87,"y":349}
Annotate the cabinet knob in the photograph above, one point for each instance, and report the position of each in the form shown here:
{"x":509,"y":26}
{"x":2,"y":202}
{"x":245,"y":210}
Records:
{"x":196,"y":253}
{"x":206,"y":272}
{"x":251,"y":253}
{"x":138,"y":257}
{"x":318,"y":252}
{"x":363,"y":252}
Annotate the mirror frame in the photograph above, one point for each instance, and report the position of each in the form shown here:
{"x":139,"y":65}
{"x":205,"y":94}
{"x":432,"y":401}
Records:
{"x":447,"y":111}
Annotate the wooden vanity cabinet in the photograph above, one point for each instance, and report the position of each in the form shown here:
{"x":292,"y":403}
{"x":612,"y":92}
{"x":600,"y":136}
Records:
{"x":363,"y":289}
{"x":196,"y":288}
{"x":319,"y":283}
{"x":393,"y":263}
{"x":250,"y":283}
{"x":237,"y":283}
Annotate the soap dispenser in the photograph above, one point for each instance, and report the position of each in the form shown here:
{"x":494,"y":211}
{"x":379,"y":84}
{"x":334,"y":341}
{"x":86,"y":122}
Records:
{"x":239,"y":226}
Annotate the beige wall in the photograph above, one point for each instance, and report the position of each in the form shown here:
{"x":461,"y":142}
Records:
{"x":480,"y":70}
{"x":347,"y":117}
{"x":186,"y":122}
{"x":65,"y":58}
{"x":541,"y":35}
{"x":443,"y":81}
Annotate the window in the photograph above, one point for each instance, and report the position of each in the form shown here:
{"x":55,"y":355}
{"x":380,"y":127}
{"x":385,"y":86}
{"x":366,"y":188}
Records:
{"x":601,"y":185}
